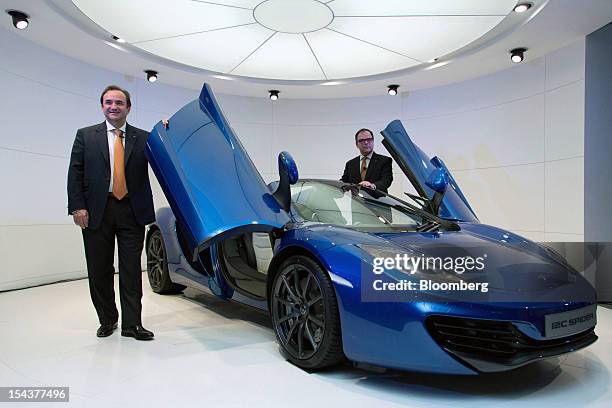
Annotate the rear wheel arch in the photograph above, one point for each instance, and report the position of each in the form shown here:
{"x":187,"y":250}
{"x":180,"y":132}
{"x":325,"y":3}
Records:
{"x":152,"y":229}
{"x":157,"y":264}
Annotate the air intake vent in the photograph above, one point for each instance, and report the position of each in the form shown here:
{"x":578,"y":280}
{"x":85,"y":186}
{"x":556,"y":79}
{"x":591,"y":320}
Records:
{"x":478,"y":341}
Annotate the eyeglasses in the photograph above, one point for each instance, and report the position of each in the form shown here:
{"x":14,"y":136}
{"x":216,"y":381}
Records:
{"x":368,"y":140}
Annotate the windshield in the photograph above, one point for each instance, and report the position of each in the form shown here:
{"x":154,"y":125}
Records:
{"x":351,"y":206}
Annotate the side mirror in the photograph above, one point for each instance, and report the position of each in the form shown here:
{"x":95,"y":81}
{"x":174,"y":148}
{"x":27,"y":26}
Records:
{"x":437,"y":181}
{"x":288,"y":174}
{"x":287,"y":165}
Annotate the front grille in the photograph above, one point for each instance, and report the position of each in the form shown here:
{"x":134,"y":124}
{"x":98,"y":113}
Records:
{"x":498,"y":342}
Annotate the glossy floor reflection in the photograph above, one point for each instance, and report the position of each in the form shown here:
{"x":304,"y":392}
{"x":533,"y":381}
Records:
{"x":213,"y":353}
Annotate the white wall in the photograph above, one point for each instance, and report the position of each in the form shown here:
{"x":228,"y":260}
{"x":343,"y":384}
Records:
{"x":514,"y":141}
{"x":46,"y":98}
{"x":318,"y":133}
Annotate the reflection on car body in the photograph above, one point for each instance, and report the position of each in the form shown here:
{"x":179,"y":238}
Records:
{"x":303,"y":250}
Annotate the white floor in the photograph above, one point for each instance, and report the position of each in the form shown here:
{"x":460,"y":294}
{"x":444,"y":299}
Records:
{"x":212,"y":353}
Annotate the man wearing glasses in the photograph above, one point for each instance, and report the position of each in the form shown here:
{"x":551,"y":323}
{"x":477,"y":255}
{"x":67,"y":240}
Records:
{"x":369,"y":169}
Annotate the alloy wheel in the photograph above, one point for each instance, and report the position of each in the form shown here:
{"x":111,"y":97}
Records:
{"x":155,"y":260}
{"x":299,"y":311}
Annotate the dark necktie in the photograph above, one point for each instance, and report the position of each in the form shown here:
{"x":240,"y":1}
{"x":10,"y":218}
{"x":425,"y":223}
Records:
{"x":364,"y":167}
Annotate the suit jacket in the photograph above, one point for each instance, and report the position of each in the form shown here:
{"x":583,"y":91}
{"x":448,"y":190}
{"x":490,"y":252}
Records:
{"x":89,"y":174}
{"x":379,"y":171}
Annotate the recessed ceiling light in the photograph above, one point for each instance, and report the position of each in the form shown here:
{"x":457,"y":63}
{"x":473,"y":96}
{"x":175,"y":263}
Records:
{"x":114,"y":45}
{"x":522,"y":7}
{"x":437,"y":65}
{"x":151,"y":75}
{"x":223,"y":77}
{"x":274,"y":94}
{"x":392,"y":90}
{"x":518,"y":54}
{"x":119,"y":40}
{"x":20,"y":19}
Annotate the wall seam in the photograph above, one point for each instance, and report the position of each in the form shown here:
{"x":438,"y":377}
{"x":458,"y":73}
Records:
{"x":495,"y":105}
{"x":133,"y":91}
{"x":36,"y":225}
{"x":519,"y":164}
{"x":47,"y":85}
{"x":544,"y":202}
{"x":34,"y":153}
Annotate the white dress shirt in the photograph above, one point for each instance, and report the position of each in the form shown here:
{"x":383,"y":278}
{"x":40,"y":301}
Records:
{"x":110,"y":135}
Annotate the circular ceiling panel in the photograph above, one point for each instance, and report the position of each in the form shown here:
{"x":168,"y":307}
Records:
{"x":293,"y":16}
{"x":298,"y":39}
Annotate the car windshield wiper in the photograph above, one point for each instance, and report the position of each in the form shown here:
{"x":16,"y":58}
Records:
{"x":404,"y":205}
{"x":429,"y":226}
{"x":447,"y":224}
{"x":431,"y":218}
{"x":420,"y":200}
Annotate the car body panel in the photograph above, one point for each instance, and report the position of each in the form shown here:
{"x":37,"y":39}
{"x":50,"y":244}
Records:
{"x":394,"y":329}
{"x":528,"y":281}
{"x":417,"y":166}
{"x":211,"y":183}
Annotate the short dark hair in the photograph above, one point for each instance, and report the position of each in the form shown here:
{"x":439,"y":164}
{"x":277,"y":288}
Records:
{"x":363,"y":130}
{"x":116,"y":88}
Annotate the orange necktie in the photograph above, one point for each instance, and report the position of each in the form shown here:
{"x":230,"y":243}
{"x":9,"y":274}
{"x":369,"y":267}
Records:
{"x":364,"y":168}
{"x":119,"y":183}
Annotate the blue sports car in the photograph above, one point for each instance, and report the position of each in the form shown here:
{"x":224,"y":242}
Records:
{"x":412,"y":283}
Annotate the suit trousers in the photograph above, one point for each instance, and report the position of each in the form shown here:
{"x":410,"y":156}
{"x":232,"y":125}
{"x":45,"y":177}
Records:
{"x":118,"y":221}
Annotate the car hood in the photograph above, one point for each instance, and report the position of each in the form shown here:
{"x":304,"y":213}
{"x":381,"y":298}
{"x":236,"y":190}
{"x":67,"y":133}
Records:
{"x":515,"y":268}
{"x":513,"y":265}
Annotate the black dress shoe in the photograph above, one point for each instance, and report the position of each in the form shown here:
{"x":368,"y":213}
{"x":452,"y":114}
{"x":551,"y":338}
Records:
{"x":106,"y":330}
{"x":138,"y":332}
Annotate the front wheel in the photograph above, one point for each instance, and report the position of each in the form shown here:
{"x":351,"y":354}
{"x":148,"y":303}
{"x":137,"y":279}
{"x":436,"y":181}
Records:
{"x":157,"y":266}
{"x":305,"y":314}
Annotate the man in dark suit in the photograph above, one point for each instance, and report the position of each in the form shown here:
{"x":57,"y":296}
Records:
{"x":109,"y":195}
{"x":369,"y":169}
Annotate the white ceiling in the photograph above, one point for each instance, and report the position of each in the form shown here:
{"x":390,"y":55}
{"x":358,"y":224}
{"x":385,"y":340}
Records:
{"x":298,"y":39}
{"x":357,"y":46}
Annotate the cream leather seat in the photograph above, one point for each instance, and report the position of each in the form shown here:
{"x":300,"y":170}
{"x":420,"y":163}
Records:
{"x":262,"y":246}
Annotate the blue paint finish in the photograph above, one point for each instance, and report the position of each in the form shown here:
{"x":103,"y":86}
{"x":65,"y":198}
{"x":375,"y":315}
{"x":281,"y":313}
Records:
{"x":215,"y":191}
{"x":165,"y":221}
{"x":418,"y":166}
{"x":438,"y":180}
{"x":211,"y":183}
{"x":389,"y":334}
{"x":392,"y":334}
{"x":217,"y":283}
{"x":285,"y":161}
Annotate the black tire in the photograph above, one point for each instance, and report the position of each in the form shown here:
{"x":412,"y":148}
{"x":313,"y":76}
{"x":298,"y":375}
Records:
{"x":305,"y":316}
{"x":157,"y":266}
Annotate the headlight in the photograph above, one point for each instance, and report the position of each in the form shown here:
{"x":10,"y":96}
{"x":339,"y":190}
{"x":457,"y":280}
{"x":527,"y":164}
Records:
{"x":553,"y":253}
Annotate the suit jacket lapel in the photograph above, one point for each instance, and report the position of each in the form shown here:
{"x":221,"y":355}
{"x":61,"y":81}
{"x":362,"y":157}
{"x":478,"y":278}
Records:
{"x":130,"y":140}
{"x":357,"y":168}
{"x":102,"y":138}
